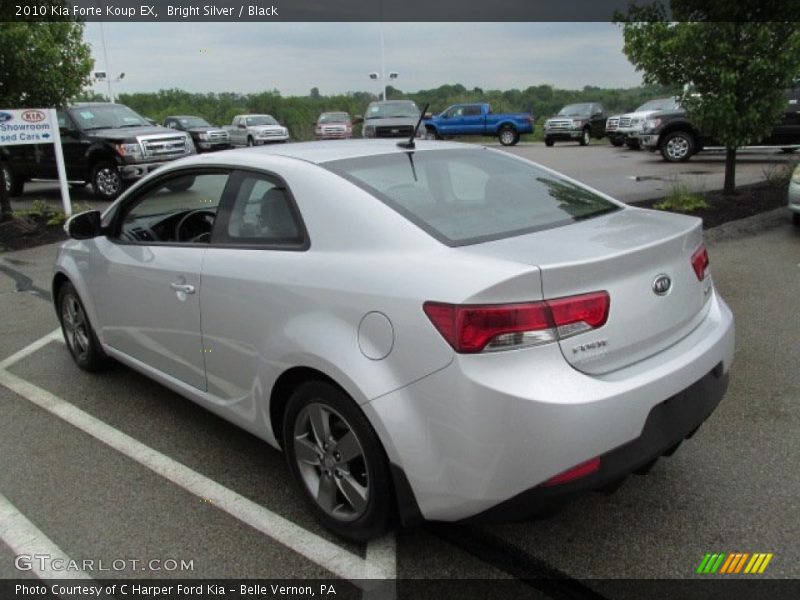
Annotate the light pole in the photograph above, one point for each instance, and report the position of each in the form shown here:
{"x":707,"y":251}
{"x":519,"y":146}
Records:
{"x":382,"y":74}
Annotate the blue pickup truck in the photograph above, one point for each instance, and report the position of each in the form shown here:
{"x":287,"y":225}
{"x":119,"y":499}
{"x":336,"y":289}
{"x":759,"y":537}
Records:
{"x":478,"y":119}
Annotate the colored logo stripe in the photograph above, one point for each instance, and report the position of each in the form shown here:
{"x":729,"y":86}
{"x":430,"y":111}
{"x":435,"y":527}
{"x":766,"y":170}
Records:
{"x":734,"y":563}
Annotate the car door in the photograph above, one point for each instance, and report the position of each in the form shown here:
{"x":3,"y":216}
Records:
{"x":147,"y":283}
{"x":472,"y":120}
{"x":74,"y":145}
{"x":450,"y":120}
{"x":249,"y":277}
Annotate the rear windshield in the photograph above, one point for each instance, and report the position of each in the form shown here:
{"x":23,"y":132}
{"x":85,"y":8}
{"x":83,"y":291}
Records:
{"x":467,"y":196}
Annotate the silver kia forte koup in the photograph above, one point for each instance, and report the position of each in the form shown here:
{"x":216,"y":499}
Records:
{"x":442,"y":332}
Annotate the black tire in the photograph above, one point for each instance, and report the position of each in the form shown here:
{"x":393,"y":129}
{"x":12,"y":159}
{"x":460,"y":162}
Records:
{"x":250,"y":141}
{"x":549,"y":142}
{"x":78,"y":331}
{"x":106,"y":180}
{"x":617,"y":142}
{"x":15,"y":186}
{"x":508,"y":136}
{"x":796,"y":219}
{"x":366,"y":519}
{"x":431,"y":134}
{"x":677,"y":146}
{"x":585,"y":137}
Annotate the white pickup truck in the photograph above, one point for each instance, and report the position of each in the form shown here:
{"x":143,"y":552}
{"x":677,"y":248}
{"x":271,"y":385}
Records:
{"x":254,"y":130}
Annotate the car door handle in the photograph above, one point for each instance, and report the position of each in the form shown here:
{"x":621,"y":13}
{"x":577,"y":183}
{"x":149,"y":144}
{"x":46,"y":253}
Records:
{"x":182,"y":287}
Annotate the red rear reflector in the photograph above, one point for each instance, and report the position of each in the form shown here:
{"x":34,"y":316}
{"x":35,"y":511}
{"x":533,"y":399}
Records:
{"x":581,"y":470}
{"x":700,"y":262}
{"x":474,"y":328}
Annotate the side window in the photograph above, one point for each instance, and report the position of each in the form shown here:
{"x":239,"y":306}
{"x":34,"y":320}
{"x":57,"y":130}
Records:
{"x":262,"y":213}
{"x":64,"y":122}
{"x":181,"y":208}
{"x":472,"y":111}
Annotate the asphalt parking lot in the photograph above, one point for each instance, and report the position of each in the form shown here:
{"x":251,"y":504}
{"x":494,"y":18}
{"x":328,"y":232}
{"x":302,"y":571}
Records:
{"x":114,"y":466}
{"x":628,"y":175}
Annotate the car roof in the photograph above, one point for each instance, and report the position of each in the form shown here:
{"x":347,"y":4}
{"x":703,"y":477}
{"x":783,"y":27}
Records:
{"x":324,"y":151}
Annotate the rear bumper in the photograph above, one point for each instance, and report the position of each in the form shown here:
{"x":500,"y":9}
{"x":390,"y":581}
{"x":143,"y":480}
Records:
{"x":487,"y":428}
{"x":667,"y":425}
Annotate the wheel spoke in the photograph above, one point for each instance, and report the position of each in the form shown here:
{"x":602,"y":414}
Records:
{"x":353,"y":492}
{"x":306,"y":450}
{"x":320,"y":423}
{"x":348,"y":447}
{"x":326,"y":494}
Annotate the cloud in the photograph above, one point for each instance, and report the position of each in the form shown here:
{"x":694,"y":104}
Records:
{"x":337,"y":57}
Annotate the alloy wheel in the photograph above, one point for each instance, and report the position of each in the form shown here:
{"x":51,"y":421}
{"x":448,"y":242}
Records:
{"x":331,"y":461}
{"x":75,"y":326}
{"x":108,"y":181}
{"x":677,"y":148}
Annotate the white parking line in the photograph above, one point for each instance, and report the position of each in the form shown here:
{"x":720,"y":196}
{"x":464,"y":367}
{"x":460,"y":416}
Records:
{"x":25,"y":539}
{"x":380,"y":561}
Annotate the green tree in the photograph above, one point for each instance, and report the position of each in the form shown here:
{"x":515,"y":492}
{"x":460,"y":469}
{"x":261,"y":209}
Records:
{"x":42,"y":64}
{"x":733,"y":62}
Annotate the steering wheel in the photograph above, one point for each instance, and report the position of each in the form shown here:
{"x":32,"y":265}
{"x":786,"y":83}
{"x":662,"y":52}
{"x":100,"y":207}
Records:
{"x":195,"y":226}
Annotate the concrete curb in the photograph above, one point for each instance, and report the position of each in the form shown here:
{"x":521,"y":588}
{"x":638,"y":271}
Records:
{"x":747,"y":226}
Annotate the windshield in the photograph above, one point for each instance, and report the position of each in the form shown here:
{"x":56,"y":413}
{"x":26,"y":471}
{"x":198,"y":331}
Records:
{"x":388,"y":110}
{"x":261,"y":120}
{"x":472,"y":195}
{"x":334,"y":118}
{"x":190,"y":122}
{"x":107,"y":116}
{"x":575,"y":110}
{"x":660,"y":104}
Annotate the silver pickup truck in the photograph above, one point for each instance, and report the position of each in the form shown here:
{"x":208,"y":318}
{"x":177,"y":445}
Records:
{"x":254,"y":130}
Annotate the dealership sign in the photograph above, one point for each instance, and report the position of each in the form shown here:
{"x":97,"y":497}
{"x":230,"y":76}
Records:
{"x":27,"y":126}
{"x":36,"y":126}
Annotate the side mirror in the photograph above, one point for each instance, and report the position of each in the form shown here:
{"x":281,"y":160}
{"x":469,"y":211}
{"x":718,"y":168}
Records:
{"x":64,"y":132}
{"x":83,"y":226}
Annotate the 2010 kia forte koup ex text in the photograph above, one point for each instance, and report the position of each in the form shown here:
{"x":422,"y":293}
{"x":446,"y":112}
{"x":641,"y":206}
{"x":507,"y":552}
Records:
{"x":443,"y":332}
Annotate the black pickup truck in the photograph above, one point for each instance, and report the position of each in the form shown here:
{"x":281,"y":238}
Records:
{"x":673,"y":134}
{"x":105,"y":145}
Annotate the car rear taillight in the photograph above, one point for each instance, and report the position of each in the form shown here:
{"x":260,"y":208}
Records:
{"x":576,"y":472}
{"x":471,"y":328}
{"x":700,"y":262}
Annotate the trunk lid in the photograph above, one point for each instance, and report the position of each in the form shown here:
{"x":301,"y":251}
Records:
{"x":622,"y":253}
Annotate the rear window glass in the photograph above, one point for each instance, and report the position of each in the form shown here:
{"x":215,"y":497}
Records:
{"x":472,"y":195}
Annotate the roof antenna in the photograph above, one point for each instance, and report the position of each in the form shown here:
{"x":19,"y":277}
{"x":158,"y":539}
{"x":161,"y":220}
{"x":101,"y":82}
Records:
{"x":410,"y":145}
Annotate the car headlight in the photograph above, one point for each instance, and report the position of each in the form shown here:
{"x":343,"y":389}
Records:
{"x":796,"y":175}
{"x":578,"y":122}
{"x":652,"y":123}
{"x":130,"y":150}
{"x":190,"y":149}
{"x":204,"y":136}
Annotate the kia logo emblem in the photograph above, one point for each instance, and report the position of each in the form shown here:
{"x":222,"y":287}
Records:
{"x":33,"y":116}
{"x":661,"y":284}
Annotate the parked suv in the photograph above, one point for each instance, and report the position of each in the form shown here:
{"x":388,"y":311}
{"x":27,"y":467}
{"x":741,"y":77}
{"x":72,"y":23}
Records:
{"x":333,"y":126}
{"x":104,"y":145}
{"x":206,"y":137}
{"x":576,"y":122}
{"x":673,"y":134}
{"x":392,"y":119}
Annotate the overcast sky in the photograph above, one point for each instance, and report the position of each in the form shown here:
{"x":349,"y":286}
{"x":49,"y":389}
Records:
{"x":337,"y":57}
